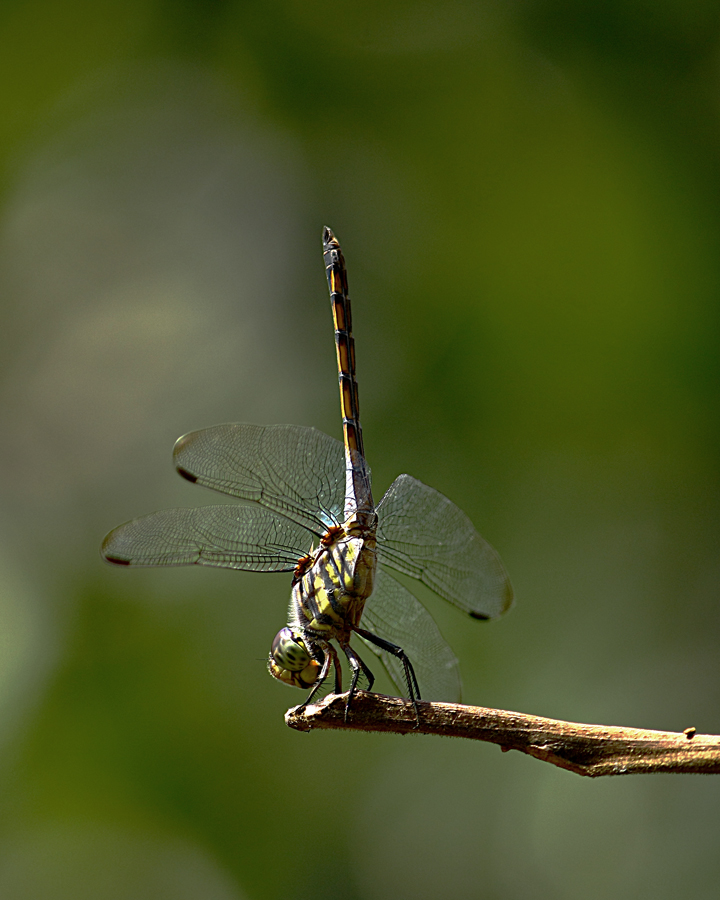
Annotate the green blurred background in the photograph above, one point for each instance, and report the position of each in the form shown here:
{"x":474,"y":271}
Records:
{"x":528,"y":196}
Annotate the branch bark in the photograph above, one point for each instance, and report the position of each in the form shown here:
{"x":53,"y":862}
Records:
{"x":591,"y":750}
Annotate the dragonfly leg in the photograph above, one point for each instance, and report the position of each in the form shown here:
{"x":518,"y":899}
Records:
{"x":322,"y":676}
{"x":410,"y":679}
{"x":338,"y":671}
{"x":357,"y":666}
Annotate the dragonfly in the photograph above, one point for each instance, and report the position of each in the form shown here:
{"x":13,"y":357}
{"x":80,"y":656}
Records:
{"x":307,"y":508}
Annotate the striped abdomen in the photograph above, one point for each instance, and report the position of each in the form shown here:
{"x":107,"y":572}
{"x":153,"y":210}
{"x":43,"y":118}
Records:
{"x":358,"y":479}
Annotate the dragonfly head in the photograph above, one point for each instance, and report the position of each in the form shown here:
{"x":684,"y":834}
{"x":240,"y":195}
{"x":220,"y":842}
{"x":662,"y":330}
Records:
{"x":290,"y":660}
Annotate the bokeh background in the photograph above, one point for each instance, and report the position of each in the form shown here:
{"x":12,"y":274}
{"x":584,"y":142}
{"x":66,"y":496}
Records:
{"x":528,"y":196}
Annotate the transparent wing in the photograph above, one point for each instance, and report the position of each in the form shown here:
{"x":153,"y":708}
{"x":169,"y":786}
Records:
{"x":231,"y":537}
{"x":423,"y":534}
{"x":294,"y":471}
{"x":393,"y":613}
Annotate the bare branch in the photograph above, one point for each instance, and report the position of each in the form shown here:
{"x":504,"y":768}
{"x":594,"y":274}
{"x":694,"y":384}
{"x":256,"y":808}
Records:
{"x":591,"y":750}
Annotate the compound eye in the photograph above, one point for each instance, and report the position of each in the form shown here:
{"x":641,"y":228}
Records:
{"x":289,"y":651}
{"x":290,"y":660}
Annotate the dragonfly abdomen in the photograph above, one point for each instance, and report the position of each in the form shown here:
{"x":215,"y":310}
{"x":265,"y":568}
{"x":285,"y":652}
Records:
{"x":358,"y":492}
{"x":344,"y":342}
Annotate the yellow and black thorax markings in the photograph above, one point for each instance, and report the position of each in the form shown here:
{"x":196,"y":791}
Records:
{"x":330,"y":596}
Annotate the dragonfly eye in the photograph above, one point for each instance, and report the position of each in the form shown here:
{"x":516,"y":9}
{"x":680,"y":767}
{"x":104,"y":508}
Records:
{"x":290,"y":660}
{"x":289,"y":651}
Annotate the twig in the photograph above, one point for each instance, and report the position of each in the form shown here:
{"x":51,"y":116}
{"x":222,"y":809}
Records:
{"x":592,"y":750}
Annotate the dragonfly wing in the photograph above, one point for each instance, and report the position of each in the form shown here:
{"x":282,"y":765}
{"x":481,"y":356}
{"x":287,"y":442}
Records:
{"x":294,"y":471}
{"x":231,"y":537}
{"x":423,"y":534}
{"x":392,"y":612}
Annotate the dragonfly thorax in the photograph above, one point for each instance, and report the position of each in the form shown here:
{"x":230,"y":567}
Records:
{"x":328,"y":598}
